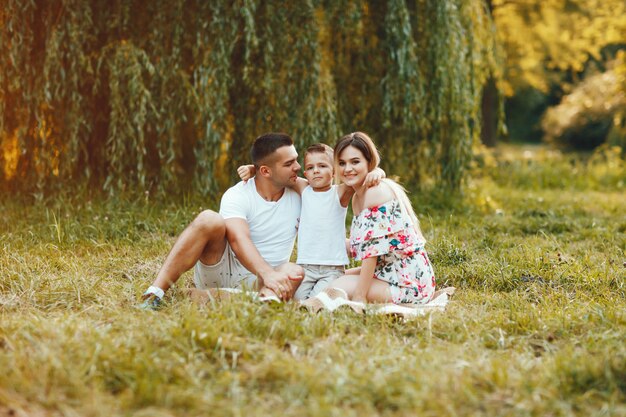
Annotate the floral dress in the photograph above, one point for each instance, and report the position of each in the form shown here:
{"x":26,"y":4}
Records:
{"x":384,"y":231}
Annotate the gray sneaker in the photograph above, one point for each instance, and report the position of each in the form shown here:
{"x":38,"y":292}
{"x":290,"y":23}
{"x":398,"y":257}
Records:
{"x":151,"y":302}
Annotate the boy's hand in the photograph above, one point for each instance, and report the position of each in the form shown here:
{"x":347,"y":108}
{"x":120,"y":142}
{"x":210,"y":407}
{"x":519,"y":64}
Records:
{"x":246,"y":172}
{"x":373,"y":177}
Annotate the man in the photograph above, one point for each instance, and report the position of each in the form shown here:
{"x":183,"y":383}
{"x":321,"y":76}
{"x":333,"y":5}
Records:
{"x":249,"y":242}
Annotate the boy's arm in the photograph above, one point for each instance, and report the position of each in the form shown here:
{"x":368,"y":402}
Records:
{"x":372,"y":179}
{"x":246,"y":172}
{"x":345,"y":194}
{"x":300,"y":185}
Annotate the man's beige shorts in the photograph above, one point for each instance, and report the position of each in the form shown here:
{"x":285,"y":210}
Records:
{"x":227,"y":273}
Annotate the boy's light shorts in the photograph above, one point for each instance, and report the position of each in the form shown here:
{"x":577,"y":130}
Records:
{"x":316,"y":278}
{"x":227,"y":273}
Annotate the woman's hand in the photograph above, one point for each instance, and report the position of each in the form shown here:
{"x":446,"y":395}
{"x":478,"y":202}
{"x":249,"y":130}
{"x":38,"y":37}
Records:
{"x":246,"y":172}
{"x":373,"y":178}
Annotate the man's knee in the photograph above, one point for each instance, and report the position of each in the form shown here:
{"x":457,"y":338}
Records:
{"x":210,"y":223}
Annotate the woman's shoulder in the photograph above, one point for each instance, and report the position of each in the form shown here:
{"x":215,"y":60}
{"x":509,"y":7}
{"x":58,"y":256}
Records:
{"x":378,"y":195}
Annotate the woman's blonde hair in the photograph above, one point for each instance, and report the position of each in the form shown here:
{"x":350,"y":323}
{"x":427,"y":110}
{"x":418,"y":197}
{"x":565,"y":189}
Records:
{"x":405,"y":204}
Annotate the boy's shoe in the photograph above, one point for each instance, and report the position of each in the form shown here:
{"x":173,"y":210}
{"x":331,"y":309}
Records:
{"x":339,"y":300}
{"x":332,"y":299}
{"x":312,"y":304}
{"x":271,"y":298}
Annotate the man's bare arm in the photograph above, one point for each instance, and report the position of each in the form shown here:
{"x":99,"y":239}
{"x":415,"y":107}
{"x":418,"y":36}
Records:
{"x":238,"y":235}
{"x":246,"y":172}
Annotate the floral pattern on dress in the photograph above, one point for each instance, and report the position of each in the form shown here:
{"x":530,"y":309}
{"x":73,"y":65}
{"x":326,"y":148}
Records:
{"x":385,"y":231}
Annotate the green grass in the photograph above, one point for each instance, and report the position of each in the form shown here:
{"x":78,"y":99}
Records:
{"x":537,"y":327}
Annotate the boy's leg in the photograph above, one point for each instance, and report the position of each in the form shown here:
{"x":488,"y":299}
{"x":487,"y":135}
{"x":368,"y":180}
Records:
{"x":330,"y":275}
{"x":306,"y":286}
{"x":204,"y":239}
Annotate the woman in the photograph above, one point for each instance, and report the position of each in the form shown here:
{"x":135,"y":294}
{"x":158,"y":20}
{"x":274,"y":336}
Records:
{"x":384,"y":235}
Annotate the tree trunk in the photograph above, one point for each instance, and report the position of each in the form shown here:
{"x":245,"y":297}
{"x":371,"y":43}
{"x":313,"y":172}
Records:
{"x":489,"y":132}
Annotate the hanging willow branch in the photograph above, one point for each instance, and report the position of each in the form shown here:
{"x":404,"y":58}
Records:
{"x":403,"y":88}
{"x":450,"y":94}
{"x":168,"y":95}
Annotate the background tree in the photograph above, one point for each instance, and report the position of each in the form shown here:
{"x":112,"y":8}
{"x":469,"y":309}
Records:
{"x":549,"y":47}
{"x":168,"y":95}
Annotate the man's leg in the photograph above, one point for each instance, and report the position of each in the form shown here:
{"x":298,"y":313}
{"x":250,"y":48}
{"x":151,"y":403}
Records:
{"x":204,"y":239}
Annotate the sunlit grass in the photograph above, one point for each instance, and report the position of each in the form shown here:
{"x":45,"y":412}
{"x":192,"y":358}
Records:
{"x":537,"y":326}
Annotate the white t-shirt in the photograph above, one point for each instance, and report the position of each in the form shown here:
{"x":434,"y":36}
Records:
{"x":322,"y":233}
{"x":273,"y":224}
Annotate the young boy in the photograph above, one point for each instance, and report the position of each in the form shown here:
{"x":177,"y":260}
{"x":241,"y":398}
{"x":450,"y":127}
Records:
{"x":322,"y":248}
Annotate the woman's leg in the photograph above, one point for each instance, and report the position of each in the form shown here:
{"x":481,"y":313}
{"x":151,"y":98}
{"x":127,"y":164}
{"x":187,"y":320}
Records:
{"x":378,"y":293}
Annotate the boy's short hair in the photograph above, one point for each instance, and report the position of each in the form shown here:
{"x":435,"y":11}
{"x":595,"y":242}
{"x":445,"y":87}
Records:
{"x":265,"y":145}
{"x":320,"y":148}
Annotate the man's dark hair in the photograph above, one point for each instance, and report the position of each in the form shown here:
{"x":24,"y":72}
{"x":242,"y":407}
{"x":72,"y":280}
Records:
{"x":267,"y":144}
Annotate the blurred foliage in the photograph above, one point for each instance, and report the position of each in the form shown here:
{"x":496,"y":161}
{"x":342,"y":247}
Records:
{"x":168,"y":95}
{"x":549,"y":47}
{"x":593,"y":111}
{"x":547,"y":41}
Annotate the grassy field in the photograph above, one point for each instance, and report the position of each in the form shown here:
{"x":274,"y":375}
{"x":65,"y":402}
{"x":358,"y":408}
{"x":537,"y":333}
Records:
{"x":536,"y":247}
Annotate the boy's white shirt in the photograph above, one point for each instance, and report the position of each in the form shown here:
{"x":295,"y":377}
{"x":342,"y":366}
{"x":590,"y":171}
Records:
{"x":322,"y":230}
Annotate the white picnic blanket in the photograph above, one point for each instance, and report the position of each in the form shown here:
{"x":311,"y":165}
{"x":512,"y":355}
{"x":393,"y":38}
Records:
{"x":334,"y":299}
{"x":436,"y":304}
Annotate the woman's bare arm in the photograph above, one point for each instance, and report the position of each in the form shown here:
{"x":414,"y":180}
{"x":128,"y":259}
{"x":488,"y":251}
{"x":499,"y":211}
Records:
{"x":364,"y":282}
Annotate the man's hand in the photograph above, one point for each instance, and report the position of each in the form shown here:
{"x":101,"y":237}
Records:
{"x":280,"y":281}
{"x":373,"y":177}
{"x":246,"y":172}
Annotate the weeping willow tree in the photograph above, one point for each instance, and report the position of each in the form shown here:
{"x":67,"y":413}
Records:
{"x":168,"y":95}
